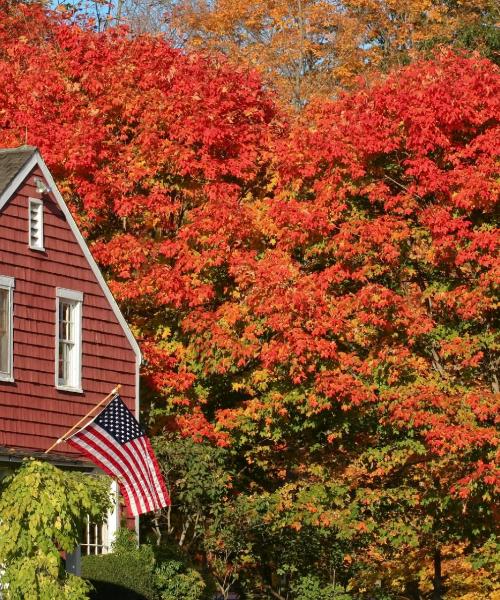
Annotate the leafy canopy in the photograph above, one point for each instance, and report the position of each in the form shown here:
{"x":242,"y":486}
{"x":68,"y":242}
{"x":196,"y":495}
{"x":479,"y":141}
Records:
{"x":316,"y":297}
{"x":42,"y":511}
{"x":311,"y":48}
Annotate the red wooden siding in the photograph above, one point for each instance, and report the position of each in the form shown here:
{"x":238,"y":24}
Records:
{"x":33,"y":413}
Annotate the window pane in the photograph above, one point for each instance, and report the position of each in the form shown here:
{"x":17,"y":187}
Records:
{"x":65,"y":362}
{"x":66,"y":312}
{"x":4,"y":330}
{"x":94,"y":538}
{"x":69,"y":331}
{"x":62,"y":363}
{"x":69,"y":340}
{"x":61,"y":320}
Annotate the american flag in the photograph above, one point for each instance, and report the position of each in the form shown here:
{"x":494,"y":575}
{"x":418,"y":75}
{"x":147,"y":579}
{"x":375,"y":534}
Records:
{"x":115,"y":442}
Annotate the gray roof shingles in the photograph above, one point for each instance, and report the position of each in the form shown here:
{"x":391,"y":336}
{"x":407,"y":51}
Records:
{"x":12,"y":160}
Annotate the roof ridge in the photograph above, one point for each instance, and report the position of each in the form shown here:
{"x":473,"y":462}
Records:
{"x":23,"y":148}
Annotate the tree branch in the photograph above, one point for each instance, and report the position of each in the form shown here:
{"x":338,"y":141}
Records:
{"x":273,"y":593}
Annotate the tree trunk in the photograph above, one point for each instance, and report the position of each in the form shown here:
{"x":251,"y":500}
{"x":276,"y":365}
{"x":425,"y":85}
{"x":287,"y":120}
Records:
{"x":437,"y":592}
{"x":299,"y":74}
{"x":412,"y":590}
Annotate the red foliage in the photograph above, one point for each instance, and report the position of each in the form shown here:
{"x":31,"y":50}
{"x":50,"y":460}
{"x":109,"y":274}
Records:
{"x":391,"y":195}
{"x":347,"y":264}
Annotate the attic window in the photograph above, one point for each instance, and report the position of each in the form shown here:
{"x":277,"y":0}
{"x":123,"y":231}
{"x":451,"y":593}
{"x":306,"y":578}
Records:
{"x":36,"y":224}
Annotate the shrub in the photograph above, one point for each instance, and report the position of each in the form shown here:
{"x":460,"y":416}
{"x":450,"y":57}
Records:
{"x":176,"y":582}
{"x":135,"y":573}
{"x":125,"y":574}
{"x":311,"y":588}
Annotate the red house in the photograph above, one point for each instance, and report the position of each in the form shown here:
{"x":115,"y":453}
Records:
{"x":64,"y":344}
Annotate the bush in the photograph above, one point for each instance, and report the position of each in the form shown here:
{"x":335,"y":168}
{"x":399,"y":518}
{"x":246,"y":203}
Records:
{"x":176,"y":582}
{"x":311,"y":588}
{"x":135,"y":573}
{"x":125,"y":574}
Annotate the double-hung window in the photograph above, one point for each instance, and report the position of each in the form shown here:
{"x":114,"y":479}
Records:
{"x":69,"y":340}
{"x":95,"y":538}
{"x":6,"y":330}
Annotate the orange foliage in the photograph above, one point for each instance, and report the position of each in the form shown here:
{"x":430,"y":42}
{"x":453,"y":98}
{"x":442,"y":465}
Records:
{"x":318,"y":296}
{"x":310,"y":48}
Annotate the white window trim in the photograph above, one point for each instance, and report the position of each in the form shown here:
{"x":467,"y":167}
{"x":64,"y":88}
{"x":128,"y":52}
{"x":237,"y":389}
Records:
{"x":37,"y":202}
{"x":88,"y":548}
{"x":69,"y":294}
{"x":77,"y":298}
{"x":110,"y":525}
{"x":8,"y":283}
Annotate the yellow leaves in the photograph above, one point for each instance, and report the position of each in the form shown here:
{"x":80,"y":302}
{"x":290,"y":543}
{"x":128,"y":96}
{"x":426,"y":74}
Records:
{"x":259,"y":376}
{"x":317,"y":470}
{"x":292,"y":43}
{"x":463,"y":581}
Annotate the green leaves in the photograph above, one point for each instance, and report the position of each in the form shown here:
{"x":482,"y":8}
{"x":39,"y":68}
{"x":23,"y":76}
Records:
{"x":311,"y":588}
{"x":42,"y":511}
{"x":176,"y":582}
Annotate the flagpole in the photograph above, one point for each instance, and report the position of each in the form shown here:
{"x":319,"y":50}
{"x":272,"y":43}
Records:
{"x":63,"y":437}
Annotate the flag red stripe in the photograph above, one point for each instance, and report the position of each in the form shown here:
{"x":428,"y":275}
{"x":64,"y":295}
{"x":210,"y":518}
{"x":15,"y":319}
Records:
{"x":159,"y":481}
{"x":124,"y":453}
{"x":119,"y":470}
{"x":125,"y":489}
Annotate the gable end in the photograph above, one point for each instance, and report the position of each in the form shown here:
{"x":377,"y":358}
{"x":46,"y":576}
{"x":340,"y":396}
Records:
{"x":25,"y":159}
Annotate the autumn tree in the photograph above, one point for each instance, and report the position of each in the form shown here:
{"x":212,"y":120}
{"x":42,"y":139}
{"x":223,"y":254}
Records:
{"x":292,"y":43}
{"x":308,"y":48}
{"x":376,"y":301}
{"x":316,"y":297}
{"x":351,"y":354}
